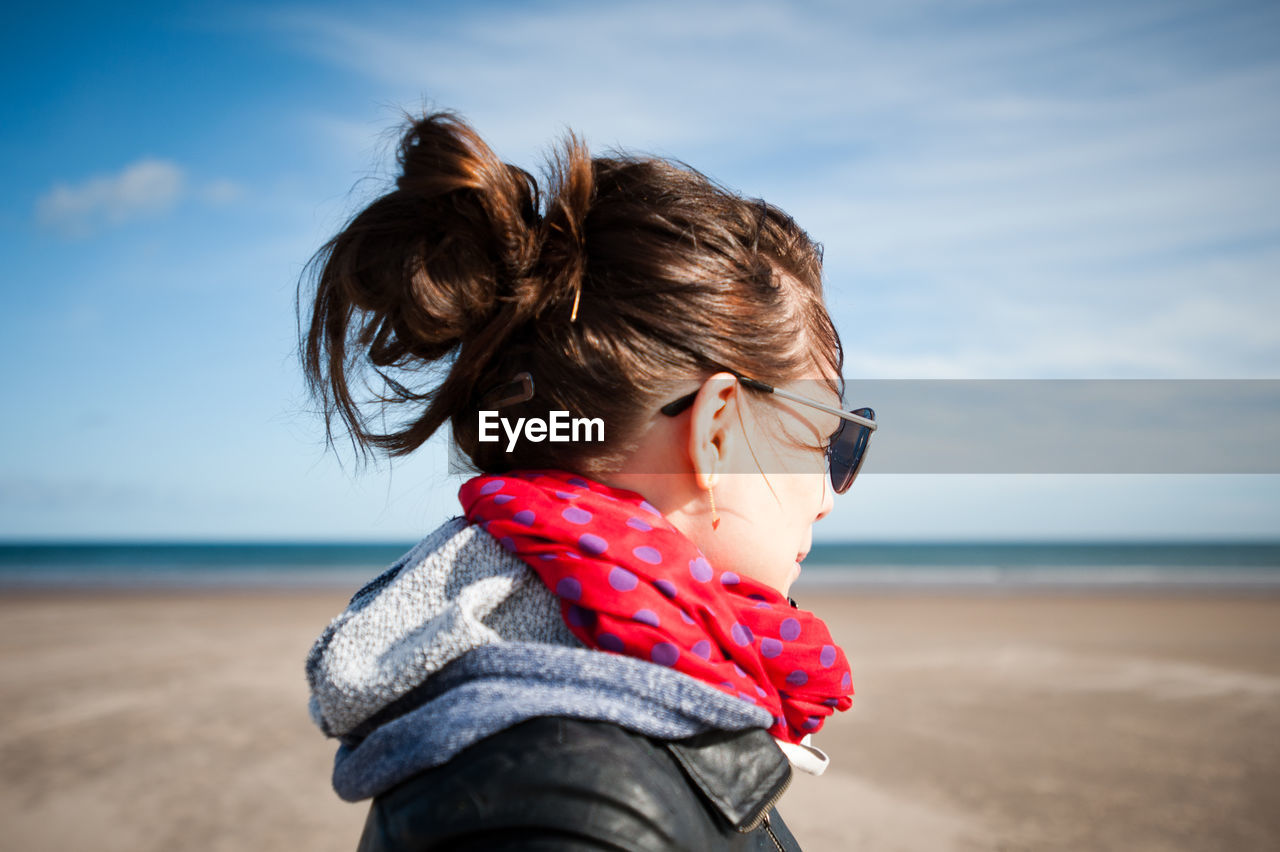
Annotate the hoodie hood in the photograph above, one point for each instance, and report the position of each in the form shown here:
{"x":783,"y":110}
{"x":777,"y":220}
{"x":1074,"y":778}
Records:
{"x":458,"y":640}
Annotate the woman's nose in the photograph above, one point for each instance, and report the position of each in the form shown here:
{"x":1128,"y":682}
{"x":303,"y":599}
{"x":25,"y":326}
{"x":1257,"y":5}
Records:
{"x":828,"y":499}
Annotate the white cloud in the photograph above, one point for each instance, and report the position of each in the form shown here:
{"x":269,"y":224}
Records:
{"x":222,"y":191}
{"x":146,"y":187}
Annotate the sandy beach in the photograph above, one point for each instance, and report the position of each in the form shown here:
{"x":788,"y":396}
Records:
{"x":177,"y":720}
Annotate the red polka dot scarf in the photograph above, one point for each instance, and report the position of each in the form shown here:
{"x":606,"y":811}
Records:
{"x":631,"y":583}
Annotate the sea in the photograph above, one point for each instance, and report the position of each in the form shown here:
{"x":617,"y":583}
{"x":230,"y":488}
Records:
{"x":889,"y":565}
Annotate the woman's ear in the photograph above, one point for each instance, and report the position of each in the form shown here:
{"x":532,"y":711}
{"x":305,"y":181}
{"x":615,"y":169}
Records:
{"x":712,"y":417}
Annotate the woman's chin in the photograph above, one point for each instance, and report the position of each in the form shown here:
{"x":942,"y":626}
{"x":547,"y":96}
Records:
{"x":785,"y":588}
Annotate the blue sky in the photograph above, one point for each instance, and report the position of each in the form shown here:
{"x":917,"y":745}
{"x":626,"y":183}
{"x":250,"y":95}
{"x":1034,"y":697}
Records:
{"x":1003,"y":190}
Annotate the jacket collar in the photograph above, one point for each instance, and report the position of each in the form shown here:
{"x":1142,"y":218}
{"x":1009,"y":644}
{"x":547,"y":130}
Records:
{"x":742,"y":773}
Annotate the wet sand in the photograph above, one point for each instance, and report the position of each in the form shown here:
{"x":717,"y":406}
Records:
{"x":162,"y":721}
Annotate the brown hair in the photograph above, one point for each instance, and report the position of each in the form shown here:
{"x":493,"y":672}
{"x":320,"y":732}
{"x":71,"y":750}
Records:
{"x":460,"y":277}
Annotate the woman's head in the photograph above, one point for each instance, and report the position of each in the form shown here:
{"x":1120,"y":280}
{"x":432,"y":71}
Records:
{"x":621,"y":283}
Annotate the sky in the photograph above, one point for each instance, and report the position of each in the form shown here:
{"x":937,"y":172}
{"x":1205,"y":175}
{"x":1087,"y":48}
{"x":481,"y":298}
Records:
{"x":1003,"y":191}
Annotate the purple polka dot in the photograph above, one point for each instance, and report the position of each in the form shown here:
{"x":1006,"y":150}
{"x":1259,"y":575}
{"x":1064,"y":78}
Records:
{"x":700,"y":568}
{"x":740,"y":670}
{"x":831,"y":702}
{"x":790,"y":629}
{"x":578,"y":616}
{"x":760,"y":691}
{"x":688,"y":619}
{"x":637,"y":524}
{"x":490,"y":487}
{"x":592,"y":544}
{"x":578,"y":481}
{"x":770,"y":647}
{"x":649,"y":507}
{"x":667,"y":587}
{"x":524,"y":516}
{"x":746,"y":697}
{"x":503,"y":499}
{"x":646,"y":616}
{"x":569,"y":587}
{"x":565,"y":495}
{"x":546,"y":556}
{"x":828,"y":655}
{"x":741,"y":634}
{"x":756,"y":596}
{"x":782,"y":693}
{"x":610,"y":642}
{"x":622,"y":579}
{"x":762,"y":604}
{"x":702,"y":648}
{"x":574,"y":515}
{"x":571,"y":554}
{"x":812,"y":722}
{"x":797,"y":678}
{"x":846,"y":682}
{"x":778,"y":720}
{"x":726,"y":684}
{"x":508,"y":542}
{"x":665,"y":654}
{"x":648,"y":554}
{"x":729,"y":578}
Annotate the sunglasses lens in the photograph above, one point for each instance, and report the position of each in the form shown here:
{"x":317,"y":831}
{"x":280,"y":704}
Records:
{"x":849,"y":450}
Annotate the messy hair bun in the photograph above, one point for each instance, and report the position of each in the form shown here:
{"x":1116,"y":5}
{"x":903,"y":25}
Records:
{"x":629,"y":274}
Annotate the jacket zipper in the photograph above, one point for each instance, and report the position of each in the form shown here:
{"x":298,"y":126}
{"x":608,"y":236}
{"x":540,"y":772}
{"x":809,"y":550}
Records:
{"x":772,"y":836}
{"x":764,"y":812}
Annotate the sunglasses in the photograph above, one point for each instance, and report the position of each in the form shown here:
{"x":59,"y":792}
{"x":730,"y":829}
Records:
{"x":847,"y":449}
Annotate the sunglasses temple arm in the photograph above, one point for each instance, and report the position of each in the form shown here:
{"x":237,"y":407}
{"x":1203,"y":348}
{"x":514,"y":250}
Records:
{"x":870,"y":424}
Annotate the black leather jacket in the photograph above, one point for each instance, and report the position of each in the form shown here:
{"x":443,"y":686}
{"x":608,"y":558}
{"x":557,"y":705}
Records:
{"x":573,"y":785}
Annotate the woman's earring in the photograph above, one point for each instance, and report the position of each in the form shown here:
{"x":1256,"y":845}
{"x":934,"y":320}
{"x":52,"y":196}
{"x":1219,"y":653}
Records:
{"x":715,"y":518}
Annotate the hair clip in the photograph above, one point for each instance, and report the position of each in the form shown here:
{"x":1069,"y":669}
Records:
{"x":524,"y":394}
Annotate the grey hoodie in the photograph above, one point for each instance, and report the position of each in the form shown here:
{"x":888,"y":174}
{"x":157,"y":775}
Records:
{"x":458,"y":640}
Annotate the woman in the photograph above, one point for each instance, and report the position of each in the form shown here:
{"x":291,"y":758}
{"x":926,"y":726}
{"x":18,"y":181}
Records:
{"x":600,"y":652}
